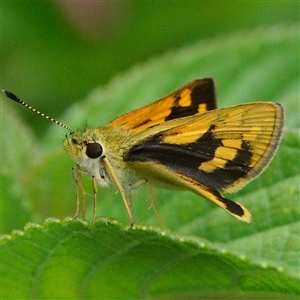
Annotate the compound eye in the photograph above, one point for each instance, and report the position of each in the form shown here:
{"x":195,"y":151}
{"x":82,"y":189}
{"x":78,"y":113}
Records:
{"x":93,"y":150}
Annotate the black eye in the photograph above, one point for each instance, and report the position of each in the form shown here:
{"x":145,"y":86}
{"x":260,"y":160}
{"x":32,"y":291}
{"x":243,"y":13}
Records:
{"x":93,"y":150}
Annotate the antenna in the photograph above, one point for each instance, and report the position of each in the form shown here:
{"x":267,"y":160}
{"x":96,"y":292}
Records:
{"x":18,"y":100}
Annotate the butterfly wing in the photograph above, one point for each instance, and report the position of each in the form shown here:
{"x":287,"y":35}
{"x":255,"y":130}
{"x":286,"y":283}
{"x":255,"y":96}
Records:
{"x":196,"y":97}
{"x":221,"y":150}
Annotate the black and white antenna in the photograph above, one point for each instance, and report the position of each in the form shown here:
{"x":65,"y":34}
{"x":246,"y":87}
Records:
{"x":15,"y":98}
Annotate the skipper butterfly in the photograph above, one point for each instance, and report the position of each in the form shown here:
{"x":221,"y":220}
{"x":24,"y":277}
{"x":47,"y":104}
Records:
{"x":181,"y":141}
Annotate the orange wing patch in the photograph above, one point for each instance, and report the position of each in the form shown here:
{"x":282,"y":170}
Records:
{"x":196,"y":97}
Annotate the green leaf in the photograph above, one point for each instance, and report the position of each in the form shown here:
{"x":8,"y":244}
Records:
{"x":213,"y":255}
{"x":74,"y":260}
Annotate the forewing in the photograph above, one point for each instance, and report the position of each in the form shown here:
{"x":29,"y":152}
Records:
{"x":221,"y":150}
{"x":193,"y":98}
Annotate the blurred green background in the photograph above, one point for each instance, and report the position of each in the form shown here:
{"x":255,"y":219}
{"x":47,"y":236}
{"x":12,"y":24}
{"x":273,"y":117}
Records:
{"x":55,"y":52}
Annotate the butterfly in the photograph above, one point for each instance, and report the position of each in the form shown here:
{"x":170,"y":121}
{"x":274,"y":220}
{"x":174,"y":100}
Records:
{"x":181,"y":141}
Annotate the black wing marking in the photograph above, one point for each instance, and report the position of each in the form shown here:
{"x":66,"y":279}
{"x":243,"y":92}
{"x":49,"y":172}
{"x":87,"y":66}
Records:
{"x":186,"y":159}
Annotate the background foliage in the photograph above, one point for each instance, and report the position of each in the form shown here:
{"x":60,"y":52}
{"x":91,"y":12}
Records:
{"x":57,"y":51}
{"x":205,"y":252}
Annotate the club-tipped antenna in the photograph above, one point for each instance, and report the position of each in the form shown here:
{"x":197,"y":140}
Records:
{"x":15,"y":98}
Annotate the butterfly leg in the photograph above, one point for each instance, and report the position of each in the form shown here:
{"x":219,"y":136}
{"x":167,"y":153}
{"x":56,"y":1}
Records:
{"x":76,"y":172}
{"x":121,"y":190}
{"x":77,"y":181}
{"x":151,"y":197}
{"x":153,"y":203}
{"x":95,"y":198}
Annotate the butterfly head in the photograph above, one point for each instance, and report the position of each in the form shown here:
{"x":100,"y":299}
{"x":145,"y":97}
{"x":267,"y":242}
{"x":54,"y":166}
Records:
{"x":84,"y":145}
{"x":88,"y":151}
